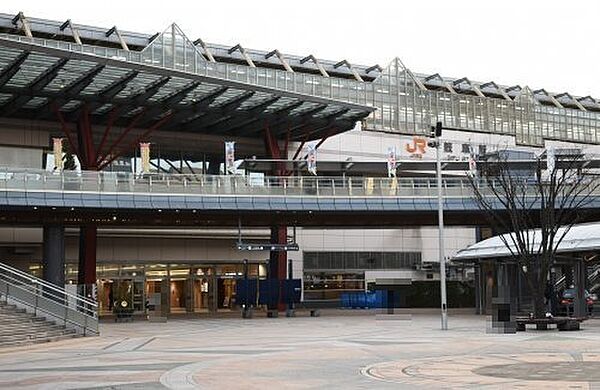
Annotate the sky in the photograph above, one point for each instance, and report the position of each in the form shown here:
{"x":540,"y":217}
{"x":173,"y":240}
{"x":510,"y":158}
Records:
{"x":543,"y":44}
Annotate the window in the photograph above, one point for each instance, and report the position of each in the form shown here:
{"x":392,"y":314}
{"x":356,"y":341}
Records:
{"x":466,"y":148}
{"x":447,"y":147}
{"x":482,"y":149}
{"x":360,"y":260}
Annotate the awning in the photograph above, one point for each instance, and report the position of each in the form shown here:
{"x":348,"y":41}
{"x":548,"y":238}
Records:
{"x":580,"y":238}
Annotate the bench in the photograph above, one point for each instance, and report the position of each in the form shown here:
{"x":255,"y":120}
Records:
{"x":562,"y":323}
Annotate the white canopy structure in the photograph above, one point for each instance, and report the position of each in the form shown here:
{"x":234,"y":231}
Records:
{"x":583,"y":237}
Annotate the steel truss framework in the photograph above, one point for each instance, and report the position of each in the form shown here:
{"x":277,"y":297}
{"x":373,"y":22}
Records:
{"x":43,"y":80}
{"x":235,"y":91}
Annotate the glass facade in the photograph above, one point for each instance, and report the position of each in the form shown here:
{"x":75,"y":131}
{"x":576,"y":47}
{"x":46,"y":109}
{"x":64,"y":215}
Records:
{"x":405,"y":106}
{"x":329,"y":274}
{"x":403,"y":103}
{"x":184,"y":288}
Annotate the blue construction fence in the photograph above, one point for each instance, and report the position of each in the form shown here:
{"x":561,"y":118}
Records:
{"x":419,"y":294}
{"x":366,"y":299}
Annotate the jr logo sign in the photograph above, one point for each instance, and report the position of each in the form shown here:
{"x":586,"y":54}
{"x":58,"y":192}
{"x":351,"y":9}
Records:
{"x":417,"y":148}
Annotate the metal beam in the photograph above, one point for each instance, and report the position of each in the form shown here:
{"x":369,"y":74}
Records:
{"x":134,"y":144}
{"x":277,"y":116}
{"x":282,"y":117}
{"x":283,"y":61}
{"x":115,"y":30}
{"x":37,"y":84}
{"x":106,"y":94}
{"x":552,"y":98}
{"x":350,"y":67}
{"x":20,"y":17}
{"x":12,"y":68}
{"x":56,"y":52}
{"x":142,"y":97}
{"x":575,"y":101}
{"x":207,"y":51}
{"x":194,"y":108}
{"x":323,"y":122}
{"x":501,"y":91}
{"x":70,"y":91}
{"x":74,"y":31}
{"x":244,"y":54}
{"x":314,"y":59}
{"x":244,"y":117}
{"x":473,"y":86}
{"x":167,"y":102}
{"x":217,"y":113}
{"x":374,"y":67}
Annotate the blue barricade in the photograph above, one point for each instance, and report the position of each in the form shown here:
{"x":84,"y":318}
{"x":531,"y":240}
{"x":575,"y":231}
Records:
{"x":364,"y":299}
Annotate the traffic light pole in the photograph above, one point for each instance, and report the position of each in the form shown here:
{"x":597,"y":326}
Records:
{"x":436,"y":132}
{"x":441,"y":236}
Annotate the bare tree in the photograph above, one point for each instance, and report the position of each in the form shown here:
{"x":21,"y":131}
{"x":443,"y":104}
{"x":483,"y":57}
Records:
{"x":535,"y":206}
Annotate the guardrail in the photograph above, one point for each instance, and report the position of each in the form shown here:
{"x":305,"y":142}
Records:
{"x":48,"y":299}
{"x":13,"y":179}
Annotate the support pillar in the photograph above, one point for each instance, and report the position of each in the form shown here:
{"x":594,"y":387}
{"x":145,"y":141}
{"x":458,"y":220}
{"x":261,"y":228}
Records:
{"x":214,"y":164}
{"x":54,"y":254}
{"x":87,"y":259}
{"x":478,"y":288}
{"x":278,"y":259}
{"x":580,"y":276}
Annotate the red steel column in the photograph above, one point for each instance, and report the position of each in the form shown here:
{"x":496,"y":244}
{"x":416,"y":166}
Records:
{"x":277,"y":259}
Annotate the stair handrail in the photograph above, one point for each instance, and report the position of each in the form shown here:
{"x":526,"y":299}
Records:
{"x":48,"y":285}
{"x":42,"y":296}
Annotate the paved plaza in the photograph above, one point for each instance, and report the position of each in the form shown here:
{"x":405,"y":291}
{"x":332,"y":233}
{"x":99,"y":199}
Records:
{"x":340,"y":349}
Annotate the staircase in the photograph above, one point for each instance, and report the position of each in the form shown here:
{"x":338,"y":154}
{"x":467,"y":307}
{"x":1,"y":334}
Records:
{"x":17,"y":327}
{"x":35,"y":311}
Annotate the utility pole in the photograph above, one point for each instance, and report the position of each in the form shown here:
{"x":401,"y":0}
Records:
{"x":436,"y":134}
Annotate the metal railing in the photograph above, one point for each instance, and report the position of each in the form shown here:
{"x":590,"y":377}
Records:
{"x":47,"y":299}
{"x":32,"y":180}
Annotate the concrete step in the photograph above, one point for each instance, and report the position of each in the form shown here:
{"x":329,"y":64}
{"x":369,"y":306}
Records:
{"x":23,"y":342}
{"x":19,"y":318}
{"x":28,"y":328}
{"x":36,"y":335}
{"x":18,"y":327}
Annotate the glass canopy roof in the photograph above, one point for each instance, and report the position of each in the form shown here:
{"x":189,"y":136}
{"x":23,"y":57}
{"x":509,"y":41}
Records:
{"x":139,"y":71}
{"x":169,"y":78}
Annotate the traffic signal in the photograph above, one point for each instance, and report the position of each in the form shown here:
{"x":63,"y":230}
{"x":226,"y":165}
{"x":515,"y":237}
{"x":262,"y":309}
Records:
{"x":436,"y":131}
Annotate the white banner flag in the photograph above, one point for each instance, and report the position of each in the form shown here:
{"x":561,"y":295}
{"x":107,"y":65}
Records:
{"x":229,"y":158}
{"x":145,"y":156}
{"x":311,"y":160}
{"x":58,"y":154}
{"x":550,"y":159}
{"x":472,"y":161}
{"x":391,"y":161}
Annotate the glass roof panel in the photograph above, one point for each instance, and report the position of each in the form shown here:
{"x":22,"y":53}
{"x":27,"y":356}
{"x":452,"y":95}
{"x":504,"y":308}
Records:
{"x":171,"y":87}
{"x":31,"y":68}
{"x":71,"y":105}
{"x":106,"y":77}
{"x":4,"y":97}
{"x":35,"y":102}
{"x":70,"y":72}
{"x":303,"y":108}
{"x":137,"y":85}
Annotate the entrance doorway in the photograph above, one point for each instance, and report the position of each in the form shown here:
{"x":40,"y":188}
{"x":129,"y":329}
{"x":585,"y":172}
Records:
{"x":120,"y":289}
{"x":178,"y":296}
{"x":105,"y":296}
{"x":226,"y":293}
{"x":200,"y":293}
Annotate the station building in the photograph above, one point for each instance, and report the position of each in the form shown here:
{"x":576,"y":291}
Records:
{"x":187,"y":97}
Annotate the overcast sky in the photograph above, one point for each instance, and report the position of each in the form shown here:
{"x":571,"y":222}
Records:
{"x":544,"y":44}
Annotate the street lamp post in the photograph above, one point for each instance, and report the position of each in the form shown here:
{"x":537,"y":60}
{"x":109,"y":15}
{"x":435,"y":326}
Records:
{"x":436,"y":132}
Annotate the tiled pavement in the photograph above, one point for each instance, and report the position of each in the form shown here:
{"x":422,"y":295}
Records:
{"x":335,"y":350}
